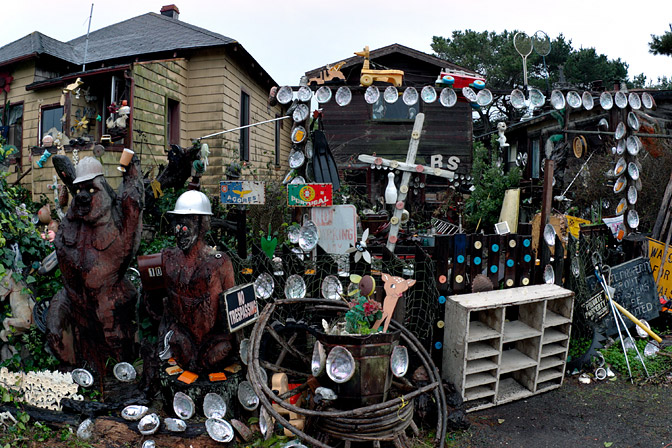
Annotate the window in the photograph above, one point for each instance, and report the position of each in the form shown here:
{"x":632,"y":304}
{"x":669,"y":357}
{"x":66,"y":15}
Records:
{"x":383,"y":110}
{"x":278,"y":126}
{"x":244,"y":121}
{"x":172,"y":121}
{"x":11,"y":129}
{"x":51,"y":120}
{"x":535,"y":159}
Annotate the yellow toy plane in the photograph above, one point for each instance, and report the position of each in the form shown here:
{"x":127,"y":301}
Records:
{"x":368,"y":76}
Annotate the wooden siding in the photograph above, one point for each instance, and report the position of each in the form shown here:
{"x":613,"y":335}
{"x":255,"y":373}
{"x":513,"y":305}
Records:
{"x":351,"y":131}
{"x":214,"y":87}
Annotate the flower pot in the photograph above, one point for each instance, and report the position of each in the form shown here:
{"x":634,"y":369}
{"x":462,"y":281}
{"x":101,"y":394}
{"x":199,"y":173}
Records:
{"x":372,"y":378}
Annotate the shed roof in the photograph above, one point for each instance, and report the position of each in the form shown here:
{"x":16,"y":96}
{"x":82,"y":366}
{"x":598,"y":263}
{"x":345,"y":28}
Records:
{"x":395,"y":48}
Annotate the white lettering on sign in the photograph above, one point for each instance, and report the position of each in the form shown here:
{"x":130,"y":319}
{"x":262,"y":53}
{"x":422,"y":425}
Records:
{"x":436,"y":161}
{"x":155,"y":272}
{"x":338,"y":227}
{"x":242,"y":312}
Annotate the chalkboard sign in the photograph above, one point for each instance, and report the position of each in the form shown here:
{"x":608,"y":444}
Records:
{"x":241,"y":306}
{"x":634,"y":290}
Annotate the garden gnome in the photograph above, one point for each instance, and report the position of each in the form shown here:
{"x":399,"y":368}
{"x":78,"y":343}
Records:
{"x":92,"y":318}
{"x":196,"y":275}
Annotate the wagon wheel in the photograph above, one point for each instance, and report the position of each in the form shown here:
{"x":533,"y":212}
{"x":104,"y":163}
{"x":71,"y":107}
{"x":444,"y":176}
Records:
{"x":385,"y":421}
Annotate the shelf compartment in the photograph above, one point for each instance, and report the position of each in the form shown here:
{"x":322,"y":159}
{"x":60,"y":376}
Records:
{"x":515,"y":360}
{"x":550,"y":362}
{"x":553,"y":319}
{"x":549,"y":385}
{"x":510,"y":390}
{"x":479,"y":379}
{"x":479,"y":350}
{"x":479,"y":331}
{"x":549,"y":374}
{"x":561,"y":306}
{"x":474,"y":393}
{"x":517,"y":330}
{"x":552,"y":335}
{"x":481,"y":365}
{"x":553,"y":349}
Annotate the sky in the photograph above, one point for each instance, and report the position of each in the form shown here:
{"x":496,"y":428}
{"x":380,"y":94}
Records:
{"x":290,"y":37}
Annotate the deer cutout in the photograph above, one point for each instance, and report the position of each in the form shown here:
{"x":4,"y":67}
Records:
{"x":394,"y":288}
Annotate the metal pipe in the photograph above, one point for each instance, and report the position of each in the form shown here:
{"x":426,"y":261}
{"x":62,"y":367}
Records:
{"x":86,"y":45}
{"x":242,"y":127}
{"x":638,"y":134}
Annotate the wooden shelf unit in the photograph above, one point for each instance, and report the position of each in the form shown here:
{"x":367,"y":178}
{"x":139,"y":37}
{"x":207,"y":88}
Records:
{"x":501,"y":346}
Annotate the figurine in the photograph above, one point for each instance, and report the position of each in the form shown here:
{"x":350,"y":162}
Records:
{"x":92,"y":318}
{"x":195,"y":277}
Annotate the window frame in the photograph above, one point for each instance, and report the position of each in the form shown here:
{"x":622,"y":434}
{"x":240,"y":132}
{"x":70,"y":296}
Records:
{"x":244,"y":138}
{"x":16,"y":159}
{"x":48,"y":107}
{"x":172,"y":121}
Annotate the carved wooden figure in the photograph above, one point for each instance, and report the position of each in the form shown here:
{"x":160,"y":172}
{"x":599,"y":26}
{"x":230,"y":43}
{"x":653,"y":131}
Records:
{"x":196,"y":275}
{"x":21,"y":304}
{"x":394,"y":288}
{"x":91,"y":318}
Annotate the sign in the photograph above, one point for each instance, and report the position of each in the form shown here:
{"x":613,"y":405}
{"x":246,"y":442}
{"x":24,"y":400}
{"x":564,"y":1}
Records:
{"x":242,"y":192}
{"x":338,"y":227}
{"x":241,"y":306}
{"x":616,"y":226}
{"x":655,"y":258}
{"x":634,"y":290}
{"x":596,"y":308}
{"x":574,"y":224}
{"x":309,"y":195}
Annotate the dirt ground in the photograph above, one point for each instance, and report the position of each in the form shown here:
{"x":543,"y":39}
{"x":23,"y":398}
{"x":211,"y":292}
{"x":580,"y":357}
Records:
{"x":603,"y":414}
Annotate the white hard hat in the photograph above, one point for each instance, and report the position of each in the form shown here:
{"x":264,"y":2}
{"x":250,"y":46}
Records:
{"x":192,"y":202}
{"x":87,"y":169}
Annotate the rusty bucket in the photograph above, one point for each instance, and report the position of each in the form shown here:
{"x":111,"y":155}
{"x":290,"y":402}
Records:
{"x":372,"y":378}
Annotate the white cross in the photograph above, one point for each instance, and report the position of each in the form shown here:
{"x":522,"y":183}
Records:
{"x":408,"y":168}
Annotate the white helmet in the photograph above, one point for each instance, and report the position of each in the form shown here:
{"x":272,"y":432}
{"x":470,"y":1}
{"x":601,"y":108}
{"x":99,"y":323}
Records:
{"x":192,"y":202}
{"x":87,"y":169}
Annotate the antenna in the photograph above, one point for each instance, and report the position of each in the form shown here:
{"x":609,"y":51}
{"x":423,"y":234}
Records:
{"x":86,"y":45}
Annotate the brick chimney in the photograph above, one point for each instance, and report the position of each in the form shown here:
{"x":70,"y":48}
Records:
{"x":170,"y":11}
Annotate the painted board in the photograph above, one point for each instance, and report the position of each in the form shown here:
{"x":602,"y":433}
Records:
{"x":338,"y":227}
{"x":242,"y":192}
{"x":634,"y":290}
{"x":309,"y":195}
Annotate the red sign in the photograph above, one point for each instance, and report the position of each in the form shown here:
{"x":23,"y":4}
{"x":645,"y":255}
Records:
{"x":309,"y":195}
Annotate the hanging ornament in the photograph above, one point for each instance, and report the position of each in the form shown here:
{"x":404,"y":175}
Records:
{"x":269,"y":244}
{"x":360,"y":249}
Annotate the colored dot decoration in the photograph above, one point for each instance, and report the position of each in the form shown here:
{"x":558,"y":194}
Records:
{"x":495,"y":247}
{"x":442,"y":299}
{"x":509,"y":263}
{"x":527,"y":258}
{"x":438,"y":345}
{"x":493,"y":269}
{"x":526,"y":243}
{"x":477,"y":260}
{"x":460,"y":258}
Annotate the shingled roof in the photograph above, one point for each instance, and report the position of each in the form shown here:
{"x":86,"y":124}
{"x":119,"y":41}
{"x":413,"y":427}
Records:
{"x":35,"y":44}
{"x":145,"y":34}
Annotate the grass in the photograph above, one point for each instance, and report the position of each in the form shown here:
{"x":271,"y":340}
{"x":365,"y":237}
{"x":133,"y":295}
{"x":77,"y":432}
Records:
{"x":657,"y":365}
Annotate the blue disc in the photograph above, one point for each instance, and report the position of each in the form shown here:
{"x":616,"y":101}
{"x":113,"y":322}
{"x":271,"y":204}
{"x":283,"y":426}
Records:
{"x":526,"y":243}
{"x":509,"y":263}
{"x":495,"y":247}
{"x":442,"y":299}
{"x":477,"y":260}
{"x":460,"y":258}
{"x":493,"y":268}
{"x":527,"y":258}
{"x":438,"y":346}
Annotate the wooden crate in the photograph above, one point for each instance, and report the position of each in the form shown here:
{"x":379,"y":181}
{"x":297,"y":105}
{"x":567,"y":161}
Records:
{"x":508,"y":344}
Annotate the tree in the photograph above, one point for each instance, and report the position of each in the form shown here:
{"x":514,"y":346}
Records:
{"x":493,"y":55}
{"x":661,"y":44}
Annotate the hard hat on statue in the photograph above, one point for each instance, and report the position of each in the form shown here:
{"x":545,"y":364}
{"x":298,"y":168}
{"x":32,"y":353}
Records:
{"x":192,"y":202}
{"x":87,"y":169}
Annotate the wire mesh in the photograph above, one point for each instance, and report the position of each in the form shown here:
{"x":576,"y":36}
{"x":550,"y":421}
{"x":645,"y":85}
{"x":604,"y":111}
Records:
{"x":420,"y":304}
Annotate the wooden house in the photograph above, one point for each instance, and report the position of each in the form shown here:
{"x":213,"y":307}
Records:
{"x":385,"y":129}
{"x":181,"y":82}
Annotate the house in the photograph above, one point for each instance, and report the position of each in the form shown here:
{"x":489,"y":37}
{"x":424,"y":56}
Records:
{"x":385,"y":129}
{"x":180,"y":82}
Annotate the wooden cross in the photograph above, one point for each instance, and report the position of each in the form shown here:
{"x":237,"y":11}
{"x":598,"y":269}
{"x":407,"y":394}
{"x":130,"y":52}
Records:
{"x":408,"y":168}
